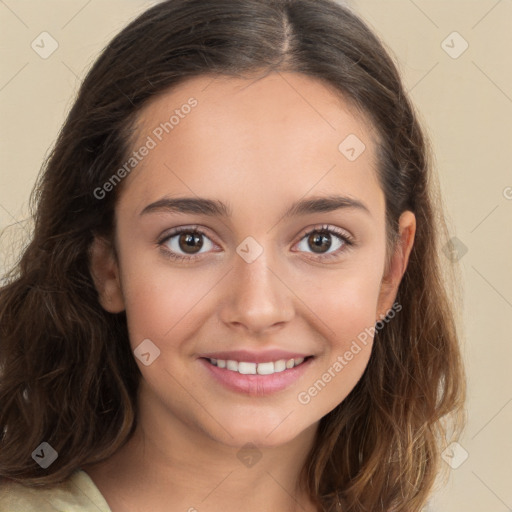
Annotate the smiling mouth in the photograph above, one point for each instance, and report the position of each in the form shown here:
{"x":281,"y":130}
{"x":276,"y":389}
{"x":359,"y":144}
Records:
{"x":250,"y":368}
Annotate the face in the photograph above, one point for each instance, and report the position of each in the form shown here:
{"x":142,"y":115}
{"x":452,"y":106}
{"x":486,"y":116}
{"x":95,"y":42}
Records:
{"x":276,"y":259}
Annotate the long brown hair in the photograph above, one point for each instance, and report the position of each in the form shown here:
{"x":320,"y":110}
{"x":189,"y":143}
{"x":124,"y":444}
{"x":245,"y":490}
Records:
{"x":68,"y":376}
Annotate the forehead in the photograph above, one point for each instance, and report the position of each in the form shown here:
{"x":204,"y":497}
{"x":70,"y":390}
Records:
{"x":253,"y":141}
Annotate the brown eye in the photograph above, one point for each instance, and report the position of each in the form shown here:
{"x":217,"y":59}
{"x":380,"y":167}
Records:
{"x":185,"y":243}
{"x":319,"y":242}
{"x":189,"y":242}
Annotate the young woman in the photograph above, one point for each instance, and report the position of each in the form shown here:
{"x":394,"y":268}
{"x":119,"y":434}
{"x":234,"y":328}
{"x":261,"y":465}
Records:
{"x":232,"y":299}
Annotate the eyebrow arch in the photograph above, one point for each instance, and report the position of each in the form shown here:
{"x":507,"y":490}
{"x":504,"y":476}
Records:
{"x":215,"y":208}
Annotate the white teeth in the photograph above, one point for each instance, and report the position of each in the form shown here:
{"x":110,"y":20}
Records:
{"x":232,"y":365}
{"x":265,"y":368}
{"x":247,"y":368}
{"x":280,"y":366}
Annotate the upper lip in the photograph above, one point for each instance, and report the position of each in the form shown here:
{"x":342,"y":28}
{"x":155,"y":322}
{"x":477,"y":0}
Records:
{"x":262,"y":356}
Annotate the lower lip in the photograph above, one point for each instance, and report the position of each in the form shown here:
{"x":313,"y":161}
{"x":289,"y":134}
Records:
{"x":254,"y":384}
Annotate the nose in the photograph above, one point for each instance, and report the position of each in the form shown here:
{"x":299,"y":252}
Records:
{"x":257,"y":298}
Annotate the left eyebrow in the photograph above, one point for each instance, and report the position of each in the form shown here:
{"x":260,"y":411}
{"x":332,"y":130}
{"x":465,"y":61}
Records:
{"x":215,"y":208}
{"x":325,"y":204}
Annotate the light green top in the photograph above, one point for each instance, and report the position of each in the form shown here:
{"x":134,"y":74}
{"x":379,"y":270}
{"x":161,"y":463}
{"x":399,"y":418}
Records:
{"x":76,"y":494}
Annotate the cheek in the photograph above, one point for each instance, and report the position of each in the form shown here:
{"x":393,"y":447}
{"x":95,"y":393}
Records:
{"x":347,"y":310}
{"x":162,"y":304}
{"x":351,"y":313}
{"x":346,"y":303}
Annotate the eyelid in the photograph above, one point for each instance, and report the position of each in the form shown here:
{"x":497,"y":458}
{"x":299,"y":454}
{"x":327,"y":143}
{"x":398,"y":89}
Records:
{"x":329,"y":228}
{"x":203,"y":231}
{"x":347,"y":239}
{"x":173,"y":256}
{"x":195,"y":228}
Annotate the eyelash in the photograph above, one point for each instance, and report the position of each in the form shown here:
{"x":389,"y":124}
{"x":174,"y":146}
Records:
{"x":347,"y":240}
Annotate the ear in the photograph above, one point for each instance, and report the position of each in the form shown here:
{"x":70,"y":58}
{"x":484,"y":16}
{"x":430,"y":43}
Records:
{"x":105,"y":274}
{"x":398,"y":264}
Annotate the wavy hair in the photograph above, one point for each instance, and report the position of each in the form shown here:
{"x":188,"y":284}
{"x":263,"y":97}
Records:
{"x":68,"y":376}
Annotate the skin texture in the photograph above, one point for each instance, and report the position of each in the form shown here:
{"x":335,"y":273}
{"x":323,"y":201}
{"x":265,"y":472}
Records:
{"x":258,"y":146}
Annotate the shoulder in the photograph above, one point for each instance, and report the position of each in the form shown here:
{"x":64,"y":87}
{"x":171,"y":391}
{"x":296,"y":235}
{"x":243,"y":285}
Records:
{"x":76,"y":494}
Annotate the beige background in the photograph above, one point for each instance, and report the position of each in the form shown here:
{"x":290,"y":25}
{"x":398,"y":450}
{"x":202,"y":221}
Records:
{"x":466,"y":106}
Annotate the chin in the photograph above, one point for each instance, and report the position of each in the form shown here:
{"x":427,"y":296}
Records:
{"x":263,"y":434}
